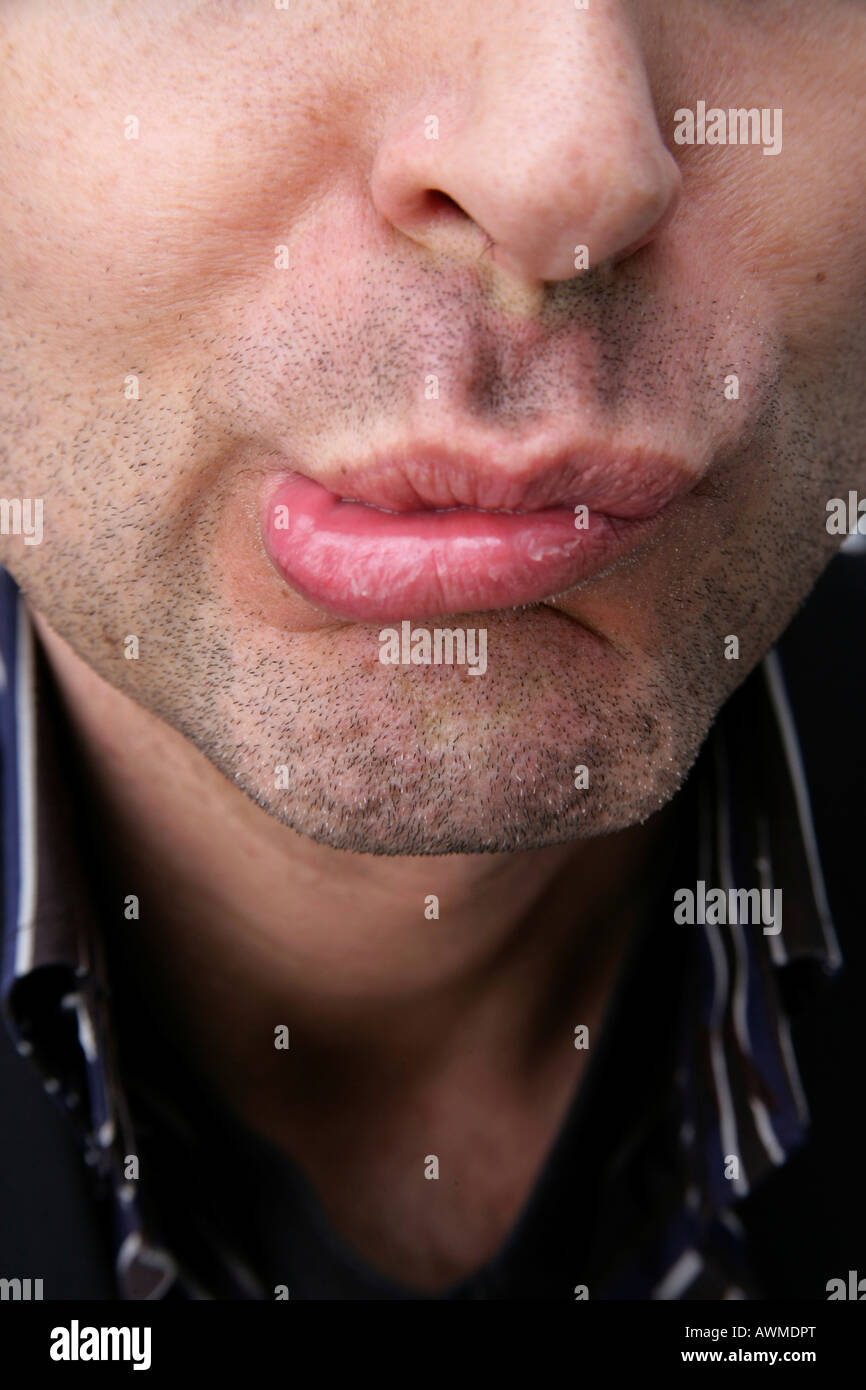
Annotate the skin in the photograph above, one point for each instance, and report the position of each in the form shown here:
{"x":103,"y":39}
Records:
{"x":155,"y":257}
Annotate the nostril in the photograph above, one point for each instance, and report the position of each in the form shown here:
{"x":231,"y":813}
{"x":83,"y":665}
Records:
{"x":438,"y":206}
{"x":434,"y":218}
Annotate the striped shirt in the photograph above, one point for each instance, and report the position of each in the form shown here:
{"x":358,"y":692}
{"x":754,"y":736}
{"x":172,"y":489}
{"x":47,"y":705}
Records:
{"x":700,"y":1092}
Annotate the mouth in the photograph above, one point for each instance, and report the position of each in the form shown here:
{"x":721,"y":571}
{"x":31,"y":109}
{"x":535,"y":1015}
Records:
{"x":423,"y":535}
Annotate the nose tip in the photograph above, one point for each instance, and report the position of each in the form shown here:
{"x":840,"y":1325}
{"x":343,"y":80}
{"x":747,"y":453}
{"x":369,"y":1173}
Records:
{"x":551,"y":170}
{"x":619,"y":225}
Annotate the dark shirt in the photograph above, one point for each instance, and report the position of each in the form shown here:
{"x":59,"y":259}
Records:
{"x":691,"y":1098}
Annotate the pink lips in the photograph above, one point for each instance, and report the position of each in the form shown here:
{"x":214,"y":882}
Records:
{"x":369,"y":564}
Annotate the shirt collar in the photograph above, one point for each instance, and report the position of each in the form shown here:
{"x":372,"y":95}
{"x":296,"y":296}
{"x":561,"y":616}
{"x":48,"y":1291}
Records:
{"x":53,"y":986}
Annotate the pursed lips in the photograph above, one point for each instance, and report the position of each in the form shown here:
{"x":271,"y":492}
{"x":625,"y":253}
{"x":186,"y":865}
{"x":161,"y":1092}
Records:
{"x":425,"y":531}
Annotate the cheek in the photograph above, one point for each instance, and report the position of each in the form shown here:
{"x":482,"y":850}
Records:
{"x":789,"y":224}
{"x":810,"y":240}
{"x":142,"y":176}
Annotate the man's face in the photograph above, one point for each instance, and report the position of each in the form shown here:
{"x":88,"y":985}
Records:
{"x":165,"y":368}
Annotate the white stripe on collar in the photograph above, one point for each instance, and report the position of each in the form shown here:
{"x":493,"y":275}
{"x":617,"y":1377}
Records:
{"x":775,"y":681}
{"x":25,"y":714}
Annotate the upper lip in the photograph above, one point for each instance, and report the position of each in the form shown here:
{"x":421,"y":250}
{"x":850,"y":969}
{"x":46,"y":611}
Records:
{"x":624,"y":481}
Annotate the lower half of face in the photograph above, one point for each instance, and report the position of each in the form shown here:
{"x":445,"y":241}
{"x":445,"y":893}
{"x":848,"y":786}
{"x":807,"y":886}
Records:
{"x":173,"y":378}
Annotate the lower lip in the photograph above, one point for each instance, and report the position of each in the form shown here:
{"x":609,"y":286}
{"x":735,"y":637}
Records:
{"x":369,"y":565}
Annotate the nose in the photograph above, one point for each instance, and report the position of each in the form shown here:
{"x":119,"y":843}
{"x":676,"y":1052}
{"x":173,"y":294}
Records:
{"x":538,"y":139}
